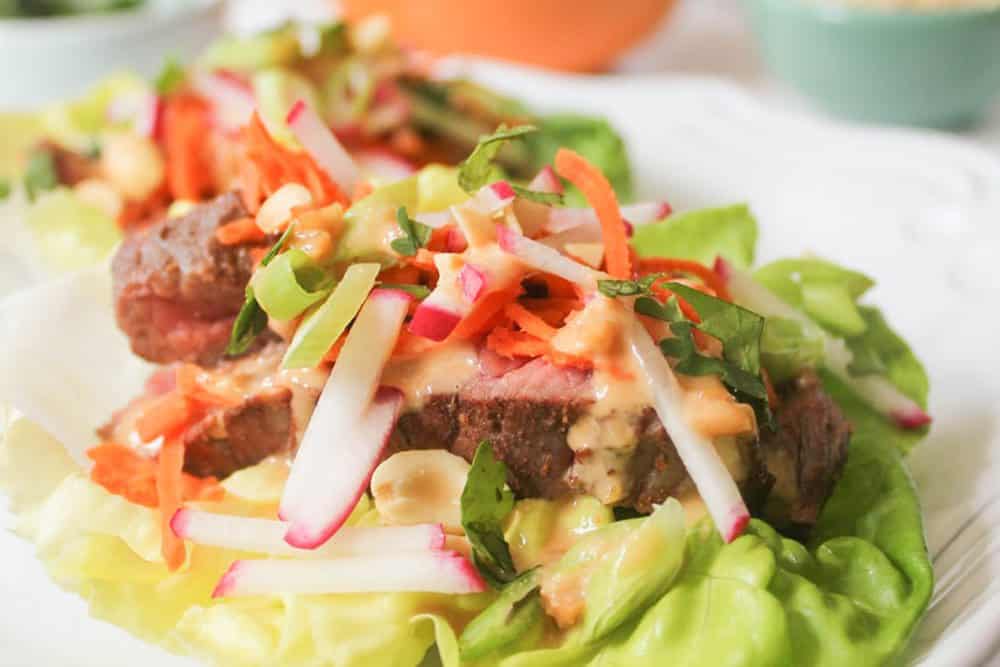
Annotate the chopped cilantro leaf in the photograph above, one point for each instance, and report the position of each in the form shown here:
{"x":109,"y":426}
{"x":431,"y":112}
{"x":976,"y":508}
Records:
{"x":40,"y":174}
{"x":547,"y":198}
{"x":614,"y":288}
{"x":485,"y":503}
{"x":170,"y":77}
{"x":416,"y":237}
{"x":475,"y":171}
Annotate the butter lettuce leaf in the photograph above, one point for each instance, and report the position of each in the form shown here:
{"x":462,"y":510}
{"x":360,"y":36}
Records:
{"x":701,"y":235}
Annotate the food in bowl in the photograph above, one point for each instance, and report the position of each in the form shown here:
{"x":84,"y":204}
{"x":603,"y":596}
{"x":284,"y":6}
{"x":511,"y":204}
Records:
{"x":37,"y":8}
{"x":458,"y":410}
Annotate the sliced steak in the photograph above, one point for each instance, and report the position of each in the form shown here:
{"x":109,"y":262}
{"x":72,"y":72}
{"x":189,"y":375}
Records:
{"x":226,"y":439}
{"x":806,"y":453}
{"x":177,"y":289}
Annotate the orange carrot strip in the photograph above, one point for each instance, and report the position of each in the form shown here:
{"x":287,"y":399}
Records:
{"x":334,"y":352}
{"x":244,"y":230}
{"x":164,"y":416}
{"x":529,"y":322}
{"x":601,"y":196}
{"x":667,"y":265}
{"x":511,"y":344}
{"x":169,"y":491}
{"x":185,"y":126}
{"x":125,"y":472}
{"x":483,"y":317}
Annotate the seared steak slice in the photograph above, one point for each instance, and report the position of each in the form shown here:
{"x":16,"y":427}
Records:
{"x":806,"y":453}
{"x":226,"y":439}
{"x":177,"y":289}
{"x":230,"y":439}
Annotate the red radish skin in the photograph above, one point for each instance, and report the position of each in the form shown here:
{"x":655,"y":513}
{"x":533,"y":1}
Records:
{"x":473,"y":282}
{"x":737,"y":525}
{"x":320,"y":142}
{"x":445,"y":572}
{"x":562,"y":219}
{"x":266,"y":536}
{"x":377,"y":424}
{"x":433,"y":322}
{"x":493,"y":197}
{"x":349,"y":429}
{"x":546,"y":180}
{"x":912,"y":419}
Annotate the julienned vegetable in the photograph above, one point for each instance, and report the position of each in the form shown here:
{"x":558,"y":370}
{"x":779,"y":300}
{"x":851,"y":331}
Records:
{"x":290,"y":284}
{"x":419,"y":572}
{"x":314,"y":504}
{"x":317,"y":138}
{"x":324,"y":325}
{"x":267,"y":536}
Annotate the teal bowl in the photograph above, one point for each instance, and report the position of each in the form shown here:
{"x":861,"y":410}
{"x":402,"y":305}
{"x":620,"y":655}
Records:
{"x":936,"y":68}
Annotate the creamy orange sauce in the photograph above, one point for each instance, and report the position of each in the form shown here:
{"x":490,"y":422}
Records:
{"x":597,"y":331}
{"x":711,"y":409}
{"x":563,"y":593}
{"x":442,"y":370}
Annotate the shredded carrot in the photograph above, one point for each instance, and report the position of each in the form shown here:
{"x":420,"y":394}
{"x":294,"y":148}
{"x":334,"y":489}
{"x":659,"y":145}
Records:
{"x":362,"y":189}
{"x":512,"y":344}
{"x":334,"y":351}
{"x":189,"y":384}
{"x":483,"y":317}
{"x":185,"y":127}
{"x":438,"y":242}
{"x":400,"y":275}
{"x":411,"y":345}
{"x":164,"y":416}
{"x":244,"y":230}
{"x":250,"y":187}
{"x":277,"y":165}
{"x":169,"y":491}
{"x":125,"y":472}
{"x":529,"y":322}
{"x":667,"y":265}
{"x":601,"y":196}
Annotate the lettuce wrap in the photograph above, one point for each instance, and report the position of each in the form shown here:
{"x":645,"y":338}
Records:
{"x":852,"y":595}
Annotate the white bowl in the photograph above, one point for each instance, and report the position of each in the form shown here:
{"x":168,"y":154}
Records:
{"x":47,"y":59}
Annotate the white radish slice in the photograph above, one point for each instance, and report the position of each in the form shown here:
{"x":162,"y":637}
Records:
{"x":493,"y":197}
{"x":232,"y":100}
{"x":267,"y":536}
{"x":876,"y":390}
{"x":542,"y":258}
{"x":546,"y":180}
{"x":561,"y":219}
{"x":384,"y":166}
{"x":276,"y":210}
{"x":473,"y":282}
{"x":143,"y":110}
{"x":710,"y":476}
{"x":322,"y":145}
{"x":426,"y":572}
{"x":347,"y":434}
{"x":437,"y":316}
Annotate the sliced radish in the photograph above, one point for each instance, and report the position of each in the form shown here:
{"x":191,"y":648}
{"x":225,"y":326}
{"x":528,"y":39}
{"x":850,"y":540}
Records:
{"x":435,"y":321}
{"x":877,"y":390}
{"x":561,"y":219}
{"x":232,"y":100}
{"x":710,"y":476}
{"x":546,"y":180}
{"x":267,"y":536}
{"x":473,"y":282}
{"x":426,"y":572}
{"x":348,"y":432}
{"x":383,"y":165}
{"x":542,"y":258}
{"x":493,"y":197}
{"x":320,"y":142}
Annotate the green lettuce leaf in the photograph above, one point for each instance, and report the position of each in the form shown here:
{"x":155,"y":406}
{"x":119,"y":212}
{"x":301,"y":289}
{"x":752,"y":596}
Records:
{"x":702,"y":235}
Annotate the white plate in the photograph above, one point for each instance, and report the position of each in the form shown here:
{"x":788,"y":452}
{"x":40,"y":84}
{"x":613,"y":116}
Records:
{"x":918,"y":212}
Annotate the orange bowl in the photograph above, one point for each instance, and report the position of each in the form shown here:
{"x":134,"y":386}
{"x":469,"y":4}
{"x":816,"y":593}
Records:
{"x":576,"y":35}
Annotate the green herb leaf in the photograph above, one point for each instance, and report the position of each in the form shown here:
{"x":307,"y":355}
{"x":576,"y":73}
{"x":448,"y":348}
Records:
{"x":40,"y":174}
{"x":4,"y":188}
{"x":416,"y":291}
{"x":485,"y":503}
{"x":170,"y":77}
{"x":547,"y":198}
{"x":252,"y":319}
{"x":737,"y":328}
{"x":475,"y":171}
{"x":416,"y":237}
{"x":250,"y":322}
{"x":650,"y":307}
{"x":616,"y":288}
